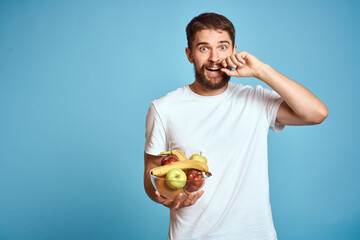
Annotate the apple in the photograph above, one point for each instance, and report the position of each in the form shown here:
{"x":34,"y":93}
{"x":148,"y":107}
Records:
{"x":164,"y":190}
{"x":198,"y":157}
{"x":175,"y":178}
{"x":168,"y":159}
{"x":197,"y":180}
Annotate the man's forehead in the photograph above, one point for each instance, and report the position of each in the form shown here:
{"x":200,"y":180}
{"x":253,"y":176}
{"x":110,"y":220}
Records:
{"x":212,"y":36}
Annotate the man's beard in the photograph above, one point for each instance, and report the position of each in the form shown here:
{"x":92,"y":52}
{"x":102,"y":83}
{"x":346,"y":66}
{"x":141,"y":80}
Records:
{"x":211,"y":83}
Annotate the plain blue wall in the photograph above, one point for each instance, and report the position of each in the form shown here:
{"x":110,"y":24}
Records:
{"x":77,"y":78}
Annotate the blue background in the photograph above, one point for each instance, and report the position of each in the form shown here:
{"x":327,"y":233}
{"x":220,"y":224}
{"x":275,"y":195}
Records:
{"x":76,"y":81}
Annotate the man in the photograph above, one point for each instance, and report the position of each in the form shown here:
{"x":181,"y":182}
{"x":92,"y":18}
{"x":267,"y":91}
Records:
{"x":229,"y":123}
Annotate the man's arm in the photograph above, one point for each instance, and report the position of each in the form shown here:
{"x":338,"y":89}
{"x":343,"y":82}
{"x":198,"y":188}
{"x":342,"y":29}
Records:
{"x":300,"y":107}
{"x":152,"y":161}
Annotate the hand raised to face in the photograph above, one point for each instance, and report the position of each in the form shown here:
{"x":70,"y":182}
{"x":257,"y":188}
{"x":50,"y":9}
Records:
{"x":243,"y":64}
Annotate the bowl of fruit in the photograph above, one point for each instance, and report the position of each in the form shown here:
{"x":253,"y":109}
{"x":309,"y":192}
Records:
{"x":177,"y":174}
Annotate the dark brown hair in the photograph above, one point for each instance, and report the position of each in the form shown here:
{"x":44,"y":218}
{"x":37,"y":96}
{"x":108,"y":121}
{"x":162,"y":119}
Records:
{"x":209,"y":21}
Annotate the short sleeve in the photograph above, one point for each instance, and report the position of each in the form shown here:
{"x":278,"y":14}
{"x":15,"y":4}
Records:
{"x":274,"y":125}
{"x":272,"y":103}
{"x":155,"y":133}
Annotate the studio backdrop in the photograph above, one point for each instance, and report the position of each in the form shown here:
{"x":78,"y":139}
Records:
{"x":77,"y":79}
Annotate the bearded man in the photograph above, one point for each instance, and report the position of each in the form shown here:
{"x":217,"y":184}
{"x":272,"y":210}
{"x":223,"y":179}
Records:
{"x":229,"y":123}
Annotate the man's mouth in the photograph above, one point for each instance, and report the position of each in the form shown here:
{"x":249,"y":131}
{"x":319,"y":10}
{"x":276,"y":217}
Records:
{"x":213,"y":69}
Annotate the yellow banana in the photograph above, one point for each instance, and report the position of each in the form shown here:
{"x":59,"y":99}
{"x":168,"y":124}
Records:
{"x":184,"y":165}
{"x":179,"y":154}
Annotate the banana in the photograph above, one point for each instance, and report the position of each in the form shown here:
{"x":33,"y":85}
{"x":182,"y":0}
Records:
{"x":179,"y":154}
{"x":184,"y":165}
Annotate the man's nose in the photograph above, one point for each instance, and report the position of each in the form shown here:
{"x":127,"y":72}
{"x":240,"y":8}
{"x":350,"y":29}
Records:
{"x":214,"y":56}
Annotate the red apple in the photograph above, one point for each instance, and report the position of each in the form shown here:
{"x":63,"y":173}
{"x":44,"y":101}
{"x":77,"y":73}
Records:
{"x":197,"y":180}
{"x":168,"y":159}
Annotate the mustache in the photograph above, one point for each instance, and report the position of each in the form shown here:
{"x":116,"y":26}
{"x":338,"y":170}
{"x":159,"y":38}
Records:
{"x":216,"y":66}
{"x":212,"y":66}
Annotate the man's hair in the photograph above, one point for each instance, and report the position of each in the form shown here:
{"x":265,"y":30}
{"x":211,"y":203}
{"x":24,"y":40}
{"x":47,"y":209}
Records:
{"x":209,"y":21}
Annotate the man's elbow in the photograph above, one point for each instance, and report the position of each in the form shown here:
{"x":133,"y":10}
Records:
{"x":319,"y":117}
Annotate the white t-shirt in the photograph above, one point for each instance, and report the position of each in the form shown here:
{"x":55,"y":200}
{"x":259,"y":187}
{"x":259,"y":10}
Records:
{"x":231,"y":131}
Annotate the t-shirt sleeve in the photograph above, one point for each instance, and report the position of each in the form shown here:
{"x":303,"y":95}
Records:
{"x":155,"y":133}
{"x":273,"y":102}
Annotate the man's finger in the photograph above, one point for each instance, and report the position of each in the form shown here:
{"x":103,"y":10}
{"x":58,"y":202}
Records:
{"x":235,"y":61}
{"x":188,"y":200}
{"x":240,"y":59}
{"x":228,"y":72}
{"x":243,"y":54}
{"x":223,"y":63}
{"x":196,"y":197}
{"x":159,"y":197}
{"x":175,"y":203}
{"x":230,"y":62}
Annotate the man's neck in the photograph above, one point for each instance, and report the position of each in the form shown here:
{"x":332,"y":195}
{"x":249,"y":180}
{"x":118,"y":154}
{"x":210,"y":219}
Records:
{"x":199,"y":89}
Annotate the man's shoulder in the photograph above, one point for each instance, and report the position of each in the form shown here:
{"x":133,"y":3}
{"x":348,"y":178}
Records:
{"x":172,"y":96}
{"x":240,"y":89}
{"x":237,"y":87}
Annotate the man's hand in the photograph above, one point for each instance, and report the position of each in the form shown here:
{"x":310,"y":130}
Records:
{"x":243,"y":63}
{"x":179,"y":201}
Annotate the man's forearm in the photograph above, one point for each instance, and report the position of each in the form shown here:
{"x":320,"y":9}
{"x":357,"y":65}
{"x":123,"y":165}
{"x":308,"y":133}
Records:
{"x":149,"y":188}
{"x":150,"y":161}
{"x":305,"y":104}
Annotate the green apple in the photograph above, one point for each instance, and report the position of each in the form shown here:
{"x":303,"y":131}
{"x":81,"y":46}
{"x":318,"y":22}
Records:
{"x":175,"y":178}
{"x":198,"y":157}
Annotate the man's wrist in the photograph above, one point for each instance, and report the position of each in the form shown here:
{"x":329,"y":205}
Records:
{"x":263,"y":72}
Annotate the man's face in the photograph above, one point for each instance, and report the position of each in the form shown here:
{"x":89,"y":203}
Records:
{"x":209,"y":48}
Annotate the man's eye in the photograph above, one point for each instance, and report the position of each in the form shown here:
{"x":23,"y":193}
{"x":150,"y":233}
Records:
{"x":203,"y":48}
{"x":223,"y":47}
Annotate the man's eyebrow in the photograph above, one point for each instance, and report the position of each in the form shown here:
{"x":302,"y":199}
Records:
{"x":225,"y":42}
{"x":202,"y":43}
{"x":206,"y":43}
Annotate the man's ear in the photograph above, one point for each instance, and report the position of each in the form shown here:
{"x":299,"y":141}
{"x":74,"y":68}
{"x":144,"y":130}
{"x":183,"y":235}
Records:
{"x":189,"y":55}
{"x":234,"y":50}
